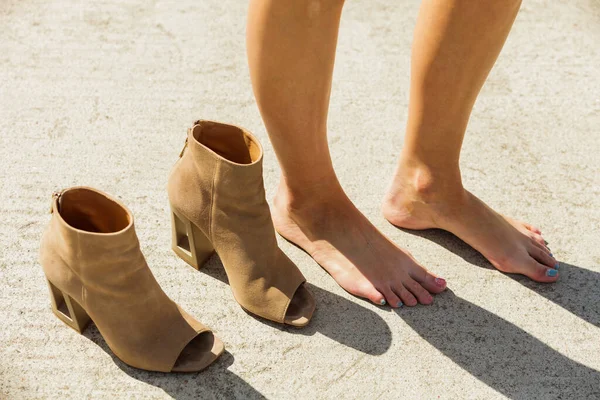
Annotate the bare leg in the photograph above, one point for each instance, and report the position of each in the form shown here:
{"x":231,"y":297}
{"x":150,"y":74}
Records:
{"x":291,"y":51}
{"x":456,"y":44}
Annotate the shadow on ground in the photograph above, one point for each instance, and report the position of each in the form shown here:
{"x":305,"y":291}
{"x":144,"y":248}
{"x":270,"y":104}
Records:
{"x":336,"y":317}
{"x":499,"y":353}
{"x":215,"y":382}
{"x":577,"y":290}
{"x":339,"y":319}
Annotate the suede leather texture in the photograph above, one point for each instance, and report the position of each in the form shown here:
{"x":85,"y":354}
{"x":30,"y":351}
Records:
{"x":107,"y":274}
{"x":218,"y":185}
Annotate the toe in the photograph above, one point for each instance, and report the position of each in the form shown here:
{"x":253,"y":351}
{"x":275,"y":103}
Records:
{"x":537,"y":244}
{"x":431,"y":283}
{"x":406,"y":296}
{"x":539,"y":272}
{"x":543,"y":257}
{"x":369,"y":292}
{"x":537,"y":238}
{"x":532,"y":228}
{"x":392,"y":299}
{"x":418,"y":291}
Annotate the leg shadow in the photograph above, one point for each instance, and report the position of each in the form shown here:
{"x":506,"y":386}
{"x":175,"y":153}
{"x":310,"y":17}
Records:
{"x":500,"y":354}
{"x":339,"y":319}
{"x":215,"y":382}
{"x":577,"y":290}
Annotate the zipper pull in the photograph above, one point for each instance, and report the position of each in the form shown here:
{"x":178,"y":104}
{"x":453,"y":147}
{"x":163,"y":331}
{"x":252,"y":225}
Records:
{"x":55,"y":196}
{"x":184,"y":147}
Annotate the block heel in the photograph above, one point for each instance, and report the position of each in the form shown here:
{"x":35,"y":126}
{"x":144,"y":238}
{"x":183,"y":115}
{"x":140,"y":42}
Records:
{"x":67,"y":309}
{"x":189,"y":242}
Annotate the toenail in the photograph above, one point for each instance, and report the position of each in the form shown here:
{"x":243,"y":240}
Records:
{"x":441,"y":282}
{"x":400,"y":304}
{"x":557,"y":265}
{"x":382,"y":302}
{"x":551,"y":272}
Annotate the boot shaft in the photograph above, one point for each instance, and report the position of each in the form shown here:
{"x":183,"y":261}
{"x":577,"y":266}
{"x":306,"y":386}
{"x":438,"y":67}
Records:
{"x":220,"y":164}
{"x":93,"y":235}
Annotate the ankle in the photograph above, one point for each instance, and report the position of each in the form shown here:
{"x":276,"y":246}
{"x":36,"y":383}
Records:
{"x":427,"y":183}
{"x":309,"y":196}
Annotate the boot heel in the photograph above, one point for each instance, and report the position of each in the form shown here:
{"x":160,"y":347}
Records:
{"x":188,"y":242}
{"x":67,"y":309}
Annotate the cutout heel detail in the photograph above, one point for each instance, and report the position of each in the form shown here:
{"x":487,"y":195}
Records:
{"x":189,"y":242}
{"x":67,"y":309}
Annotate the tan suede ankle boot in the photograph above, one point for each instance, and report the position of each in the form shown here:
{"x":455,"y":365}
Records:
{"x":95,"y":270}
{"x":218,"y":204}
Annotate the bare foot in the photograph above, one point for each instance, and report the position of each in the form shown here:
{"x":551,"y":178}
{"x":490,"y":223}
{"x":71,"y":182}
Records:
{"x":360,"y":258}
{"x":415,"y":201}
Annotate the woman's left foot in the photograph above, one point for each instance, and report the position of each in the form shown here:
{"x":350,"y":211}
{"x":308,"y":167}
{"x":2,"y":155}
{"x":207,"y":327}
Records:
{"x":417,"y":201}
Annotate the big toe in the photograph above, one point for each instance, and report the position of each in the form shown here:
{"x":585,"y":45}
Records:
{"x":431,"y":282}
{"x":434,"y":284}
{"x":537,"y":271}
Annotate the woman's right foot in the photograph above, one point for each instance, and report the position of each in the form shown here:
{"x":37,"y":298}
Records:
{"x":360,"y":258}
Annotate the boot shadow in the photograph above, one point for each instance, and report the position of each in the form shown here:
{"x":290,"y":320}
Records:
{"x":498,"y":353}
{"x":577,"y":290}
{"x":339,"y":319}
{"x":215,"y":382}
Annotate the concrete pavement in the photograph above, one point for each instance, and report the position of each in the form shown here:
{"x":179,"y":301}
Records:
{"x":101,"y":93}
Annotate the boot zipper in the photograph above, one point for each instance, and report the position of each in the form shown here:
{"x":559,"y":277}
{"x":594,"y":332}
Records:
{"x":184,"y":147}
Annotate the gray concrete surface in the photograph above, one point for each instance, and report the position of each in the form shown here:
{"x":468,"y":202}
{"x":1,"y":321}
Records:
{"x":100,"y":94}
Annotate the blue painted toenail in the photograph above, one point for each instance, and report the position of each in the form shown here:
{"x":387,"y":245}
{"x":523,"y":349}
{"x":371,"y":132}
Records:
{"x":382,"y":302}
{"x":557,"y":265}
{"x":551,"y":272}
{"x":400,"y":304}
